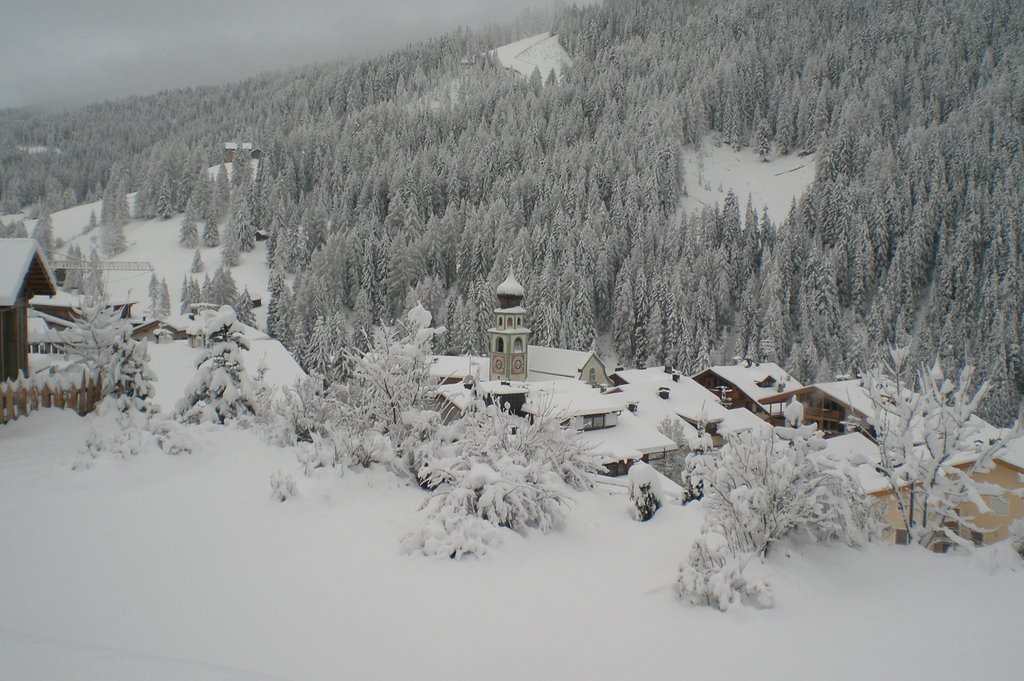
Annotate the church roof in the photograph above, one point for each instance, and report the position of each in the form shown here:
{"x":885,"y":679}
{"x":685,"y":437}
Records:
{"x":511,"y":286}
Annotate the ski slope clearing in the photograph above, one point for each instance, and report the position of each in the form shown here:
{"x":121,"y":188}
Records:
{"x":542,"y":51}
{"x":163,"y":567}
{"x":712,"y":170}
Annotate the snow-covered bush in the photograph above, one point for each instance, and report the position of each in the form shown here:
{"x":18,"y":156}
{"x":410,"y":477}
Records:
{"x":644,"y":490}
{"x":171,"y":436}
{"x":716,"y":575}
{"x":128,"y":376}
{"x":491,"y":470}
{"x":931,"y":446}
{"x":758,"y":492}
{"x":114,"y":434}
{"x":287,"y":415}
{"x":393,"y":375}
{"x":1017,"y":536}
{"x":221,"y":390}
{"x":282,"y":486}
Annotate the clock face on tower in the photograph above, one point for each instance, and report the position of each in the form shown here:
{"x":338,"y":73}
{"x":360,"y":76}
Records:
{"x":517,"y":365}
{"x":499,"y":364}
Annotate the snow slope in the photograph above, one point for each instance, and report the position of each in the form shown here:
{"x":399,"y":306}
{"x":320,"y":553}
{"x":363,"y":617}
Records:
{"x":156,"y":241}
{"x":712,"y":170}
{"x":165,"y":567}
{"x":542,"y":51}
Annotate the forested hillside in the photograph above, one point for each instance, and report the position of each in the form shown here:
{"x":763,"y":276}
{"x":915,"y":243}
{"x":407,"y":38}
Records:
{"x":425,"y":173}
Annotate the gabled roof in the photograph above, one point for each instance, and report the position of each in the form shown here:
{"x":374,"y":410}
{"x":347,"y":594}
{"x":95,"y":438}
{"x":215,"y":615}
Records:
{"x":567,"y":398}
{"x":22,"y":265}
{"x":556,"y":363}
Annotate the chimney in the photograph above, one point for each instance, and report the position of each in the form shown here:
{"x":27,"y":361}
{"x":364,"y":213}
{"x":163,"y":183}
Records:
{"x":633,"y":407}
{"x":663,"y":393}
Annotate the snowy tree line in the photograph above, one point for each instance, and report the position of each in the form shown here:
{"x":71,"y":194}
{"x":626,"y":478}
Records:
{"x":409,"y":177}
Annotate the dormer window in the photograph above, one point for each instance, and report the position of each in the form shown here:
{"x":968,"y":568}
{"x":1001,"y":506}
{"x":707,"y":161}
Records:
{"x":766,"y":382}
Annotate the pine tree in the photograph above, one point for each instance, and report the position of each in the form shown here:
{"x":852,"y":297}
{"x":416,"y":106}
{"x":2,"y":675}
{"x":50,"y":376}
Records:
{"x":211,"y":235}
{"x":221,"y":389}
{"x":229,"y":254}
{"x":189,"y":234}
{"x":197,"y":263}
{"x":43,"y":232}
{"x":244,"y":307}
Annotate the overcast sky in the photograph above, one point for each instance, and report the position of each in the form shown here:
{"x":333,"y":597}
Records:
{"x":61,"y":52}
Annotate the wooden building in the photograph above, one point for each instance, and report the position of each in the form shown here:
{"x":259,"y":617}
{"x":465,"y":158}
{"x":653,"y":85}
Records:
{"x":837,"y":407}
{"x":747,"y":384}
{"x":23,"y":274}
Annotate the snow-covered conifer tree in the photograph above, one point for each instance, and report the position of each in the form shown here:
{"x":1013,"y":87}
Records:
{"x":644,"y":490}
{"x":221,"y":390}
{"x":197,"y":263}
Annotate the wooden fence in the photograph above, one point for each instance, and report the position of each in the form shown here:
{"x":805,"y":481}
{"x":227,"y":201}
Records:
{"x":25,"y":395}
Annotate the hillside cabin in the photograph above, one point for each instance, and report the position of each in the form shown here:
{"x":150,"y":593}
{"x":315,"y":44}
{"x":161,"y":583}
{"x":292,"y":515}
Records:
{"x":23,"y":274}
{"x":837,"y":407}
{"x":62,"y":305}
{"x":231,"y":148}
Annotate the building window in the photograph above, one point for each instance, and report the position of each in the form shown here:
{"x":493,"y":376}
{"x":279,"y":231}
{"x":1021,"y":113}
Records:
{"x":499,"y":345}
{"x":517,"y":345}
{"x":593,"y":375}
{"x":501,"y":322}
{"x":509,"y":323}
{"x":999,"y":505}
{"x":593,"y":421}
{"x":518,"y":321}
{"x":902,"y":537}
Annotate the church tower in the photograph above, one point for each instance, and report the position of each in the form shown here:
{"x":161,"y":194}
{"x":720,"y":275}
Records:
{"x":509,"y":336}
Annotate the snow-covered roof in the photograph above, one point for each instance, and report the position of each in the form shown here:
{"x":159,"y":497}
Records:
{"x":518,"y":309}
{"x":459,"y":366}
{"x":235,"y":145}
{"x":546,"y":364}
{"x":511,"y":286}
{"x":65,"y":299}
{"x":567,"y":398}
{"x":686,"y":399}
{"x":1014,"y":454}
{"x":739,"y":420}
{"x":280,"y":365}
{"x":851,"y":393}
{"x":17,"y":259}
{"x":747,"y":377}
{"x":855,"y":449}
{"x":630,"y":438}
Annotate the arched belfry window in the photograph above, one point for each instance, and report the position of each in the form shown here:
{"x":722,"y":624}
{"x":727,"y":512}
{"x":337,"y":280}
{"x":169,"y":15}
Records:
{"x":499,"y":345}
{"x":501,"y":322}
{"x":509,"y":322}
{"x":517,"y":345}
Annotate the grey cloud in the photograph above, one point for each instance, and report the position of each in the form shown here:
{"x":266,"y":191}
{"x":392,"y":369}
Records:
{"x":60,"y":52}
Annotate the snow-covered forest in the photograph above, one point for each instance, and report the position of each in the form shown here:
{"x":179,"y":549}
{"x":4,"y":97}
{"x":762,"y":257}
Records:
{"x":409,"y":177}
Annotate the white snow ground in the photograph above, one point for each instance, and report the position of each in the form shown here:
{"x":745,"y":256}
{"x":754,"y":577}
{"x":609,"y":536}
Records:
{"x":542,"y":51}
{"x":713,"y":169}
{"x":163,"y":567}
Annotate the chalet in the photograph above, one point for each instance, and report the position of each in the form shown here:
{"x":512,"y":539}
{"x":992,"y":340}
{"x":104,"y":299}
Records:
{"x":162,"y":330}
{"x":231,"y":148}
{"x":556,"y":364}
{"x":23,"y":274}
{"x":747,"y":383}
{"x":837,"y":407}
{"x":1007,"y":471}
{"x":62,"y":305}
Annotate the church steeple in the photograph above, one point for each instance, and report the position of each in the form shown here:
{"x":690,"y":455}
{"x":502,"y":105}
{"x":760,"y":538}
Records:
{"x":509,"y":336}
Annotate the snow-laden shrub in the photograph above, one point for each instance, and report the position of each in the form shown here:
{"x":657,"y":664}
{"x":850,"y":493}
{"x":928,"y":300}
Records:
{"x":171,"y":436}
{"x":287,"y":415}
{"x":129,"y":378}
{"x":114,"y":434}
{"x":493,"y":469}
{"x":644,"y":490}
{"x":393,"y":375}
{"x":1017,"y":536}
{"x":716,"y":575}
{"x":221,"y":390}
{"x":758,"y":492}
{"x":282,"y":486}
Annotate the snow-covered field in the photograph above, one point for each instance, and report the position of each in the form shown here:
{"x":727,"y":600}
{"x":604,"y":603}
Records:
{"x":542,"y":51}
{"x":162,"y":567}
{"x":713,"y":169}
